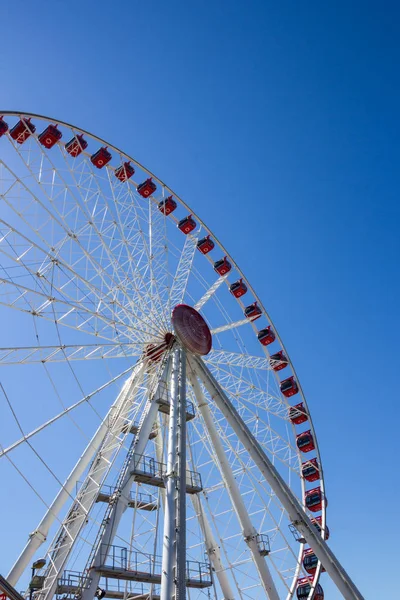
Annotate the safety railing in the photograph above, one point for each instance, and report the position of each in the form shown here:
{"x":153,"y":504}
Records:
{"x":119,"y":558}
{"x":149,"y":467}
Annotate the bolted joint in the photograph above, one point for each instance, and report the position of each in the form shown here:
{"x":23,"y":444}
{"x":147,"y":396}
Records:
{"x":39,"y":535}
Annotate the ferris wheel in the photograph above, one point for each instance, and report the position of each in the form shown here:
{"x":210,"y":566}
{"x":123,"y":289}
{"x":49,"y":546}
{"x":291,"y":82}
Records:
{"x":135,"y":349}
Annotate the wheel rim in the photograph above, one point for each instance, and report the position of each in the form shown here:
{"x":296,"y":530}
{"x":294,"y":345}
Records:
{"x":141,"y":310}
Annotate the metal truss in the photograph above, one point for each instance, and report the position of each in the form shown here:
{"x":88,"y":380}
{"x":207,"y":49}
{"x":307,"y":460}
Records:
{"x":181,"y":486}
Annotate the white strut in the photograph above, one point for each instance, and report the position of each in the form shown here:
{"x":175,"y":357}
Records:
{"x":39,"y":536}
{"x":295,"y":511}
{"x":249,"y":531}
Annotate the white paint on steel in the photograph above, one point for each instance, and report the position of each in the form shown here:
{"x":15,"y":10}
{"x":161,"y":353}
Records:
{"x":295,"y":511}
{"x":230,"y":326}
{"x":168,"y":568}
{"x":183,"y":271}
{"x":120,"y":505}
{"x":235,"y":359}
{"x":210,"y":292}
{"x":39,"y":536}
{"x":46,"y":354}
{"x":249,"y":531}
{"x":212,"y":549}
{"x":125,"y":316}
{"x":86,"y":398}
{"x":75,"y":520}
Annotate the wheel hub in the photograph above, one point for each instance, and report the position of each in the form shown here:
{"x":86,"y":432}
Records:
{"x":191,"y":329}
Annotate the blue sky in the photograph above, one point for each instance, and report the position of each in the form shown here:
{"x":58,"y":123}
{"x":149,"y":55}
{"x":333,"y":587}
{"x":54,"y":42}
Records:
{"x":279,"y":124}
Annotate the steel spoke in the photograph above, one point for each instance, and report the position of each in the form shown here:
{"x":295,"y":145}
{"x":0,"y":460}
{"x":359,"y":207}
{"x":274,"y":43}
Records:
{"x":45,"y":354}
{"x":183,"y":271}
{"x":49,"y":422}
{"x":231,"y":326}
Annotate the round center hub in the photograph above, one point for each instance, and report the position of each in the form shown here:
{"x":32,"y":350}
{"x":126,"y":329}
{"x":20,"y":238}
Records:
{"x":191,"y":329}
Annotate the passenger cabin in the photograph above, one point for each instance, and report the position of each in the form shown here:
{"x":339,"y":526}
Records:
{"x":124,"y":172}
{"x":238,"y":289}
{"x":205,"y":245}
{"x":187,"y":224}
{"x":304,"y":588}
{"x":50,"y":136}
{"x":147,"y":188}
{"x":222,"y":266}
{"x":3,"y":127}
{"x":305,"y":441}
{"x":314,"y":499}
{"x":167,"y":206}
{"x":76,"y":145}
{"x":101,"y":157}
{"x":266,"y":336}
{"x":278,"y":361}
{"x":317,"y":522}
{"x":298,"y":414}
{"x":310,"y":470}
{"x":22,"y":130}
{"x":253,"y":311}
{"x":289,"y":387}
{"x":310,"y":561}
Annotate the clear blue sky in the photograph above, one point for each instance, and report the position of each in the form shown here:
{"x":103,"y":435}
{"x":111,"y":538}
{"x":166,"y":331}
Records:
{"x":278,"y":122}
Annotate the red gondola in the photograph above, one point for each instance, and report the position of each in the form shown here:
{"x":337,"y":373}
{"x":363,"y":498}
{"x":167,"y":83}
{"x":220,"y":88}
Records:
{"x":76,"y":145}
{"x":317,"y":522}
{"x":238,"y":288}
{"x":304,"y":588}
{"x":167,"y":206}
{"x":124,"y":172}
{"x":314,"y":498}
{"x":298,"y":414}
{"x":310,"y":561}
{"x":278,"y":361}
{"x":187,"y":224}
{"x":147,"y":188}
{"x":289,"y":387}
{"x":266,"y":336}
{"x":22,"y":130}
{"x":50,"y":136}
{"x":253,"y":311}
{"x":222,"y":266}
{"x":305,"y":441}
{"x":205,"y":245}
{"x":310,"y":470}
{"x":3,"y":127}
{"x":101,"y":157}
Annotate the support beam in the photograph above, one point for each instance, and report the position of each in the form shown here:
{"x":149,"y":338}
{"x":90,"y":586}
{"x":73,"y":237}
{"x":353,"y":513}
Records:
{"x":169,"y":536}
{"x":173,"y":574}
{"x":231,"y":326}
{"x":9,"y":591}
{"x":212,"y":549}
{"x":210,"y":292}
{"x":76,"y":518}
{"x":294,"y":509}
{"x":39,"y":536}
{"x":181,"y":487}
{"x":116,"y":510}
{"x":249,"y":531}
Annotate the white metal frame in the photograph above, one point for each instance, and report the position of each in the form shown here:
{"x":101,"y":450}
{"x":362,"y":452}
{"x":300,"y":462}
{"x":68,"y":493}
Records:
{"x":106,"y":438}
{"x":295,"y":510}
{"x":134,"y":312}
